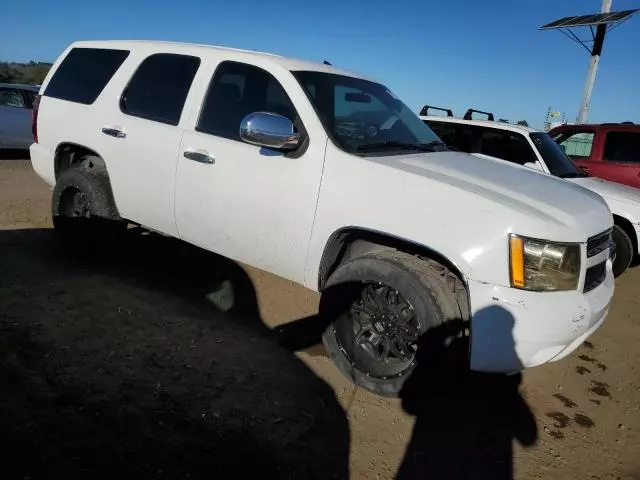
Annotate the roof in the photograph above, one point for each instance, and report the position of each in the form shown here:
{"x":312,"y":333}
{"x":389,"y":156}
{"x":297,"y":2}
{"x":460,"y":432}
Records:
{"x":22,"y":86}
{"x":482,"y":123}
{"x":595,"y":126}
{"x":204,"y":50}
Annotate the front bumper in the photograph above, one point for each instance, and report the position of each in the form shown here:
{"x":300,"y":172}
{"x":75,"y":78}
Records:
{"x":513,"y":329}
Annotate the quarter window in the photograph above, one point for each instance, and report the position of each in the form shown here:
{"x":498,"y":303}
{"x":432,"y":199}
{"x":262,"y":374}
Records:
{"x":158,"y":89}
{"x":622,"y":147}
{"x":236,"y":90}
{"x":84,"y":73}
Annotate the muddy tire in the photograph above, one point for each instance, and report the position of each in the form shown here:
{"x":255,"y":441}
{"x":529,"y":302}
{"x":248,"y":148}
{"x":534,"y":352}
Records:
{"x":82,"y":205}
{"x":624,"y":251}
{"x":378,"y":306}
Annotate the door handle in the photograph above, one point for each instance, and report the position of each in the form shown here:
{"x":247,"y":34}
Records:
{"x":113,"y":132}
{"x":200,"y":156}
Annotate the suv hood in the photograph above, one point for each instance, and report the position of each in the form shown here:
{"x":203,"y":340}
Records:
{"x":525,"y":191}
{"x":609,"y":190}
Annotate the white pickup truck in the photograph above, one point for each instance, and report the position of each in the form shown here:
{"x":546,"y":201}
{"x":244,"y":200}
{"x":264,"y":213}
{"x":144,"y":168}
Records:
{"x":328,"y":179}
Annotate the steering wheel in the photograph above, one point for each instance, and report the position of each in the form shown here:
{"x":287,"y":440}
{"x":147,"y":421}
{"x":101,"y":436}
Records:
{"x":356,"y":131}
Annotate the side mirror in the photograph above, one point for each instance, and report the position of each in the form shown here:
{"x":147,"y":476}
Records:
{"x":533,"y":166}
{"x":269,"y":130}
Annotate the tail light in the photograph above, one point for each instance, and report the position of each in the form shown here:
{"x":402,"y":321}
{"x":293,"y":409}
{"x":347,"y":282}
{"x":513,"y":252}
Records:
{"x":34,"y":118}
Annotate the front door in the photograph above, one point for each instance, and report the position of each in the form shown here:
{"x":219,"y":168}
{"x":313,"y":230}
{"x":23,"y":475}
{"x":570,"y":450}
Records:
{"x":248,"y":203}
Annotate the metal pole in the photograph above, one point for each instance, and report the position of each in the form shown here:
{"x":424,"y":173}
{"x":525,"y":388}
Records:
{"x":593,"y":64}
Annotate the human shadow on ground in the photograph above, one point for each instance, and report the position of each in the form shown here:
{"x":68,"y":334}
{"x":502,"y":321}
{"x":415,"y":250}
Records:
{"x":148,"y":358}
{"x":466,"y":422}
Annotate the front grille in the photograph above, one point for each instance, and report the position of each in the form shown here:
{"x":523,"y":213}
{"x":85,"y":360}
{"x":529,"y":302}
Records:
{"x":598,"y":243}
{"x":595,"y":276}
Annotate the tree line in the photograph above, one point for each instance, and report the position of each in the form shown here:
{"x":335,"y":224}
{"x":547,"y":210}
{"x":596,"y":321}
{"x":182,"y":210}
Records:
{"x":32,"y":73}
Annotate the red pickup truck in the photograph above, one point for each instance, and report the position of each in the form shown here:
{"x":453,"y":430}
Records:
{"x":607,"y":150}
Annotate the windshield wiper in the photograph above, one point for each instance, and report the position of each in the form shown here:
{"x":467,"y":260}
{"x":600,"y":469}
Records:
{"x":421,"y":147}
{"x":574,"y":175}
{"x":434,"y":143}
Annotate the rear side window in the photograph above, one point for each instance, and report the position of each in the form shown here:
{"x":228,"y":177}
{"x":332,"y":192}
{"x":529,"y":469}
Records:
{"x":622,"y":147}
{"x":159,"y":88}
{"x":238,"y":89}
{"x":11,"y":98}
{"x":84,"y":73}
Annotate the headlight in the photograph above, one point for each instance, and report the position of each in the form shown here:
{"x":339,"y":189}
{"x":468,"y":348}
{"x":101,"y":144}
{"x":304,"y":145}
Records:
{"x":543,"y":266}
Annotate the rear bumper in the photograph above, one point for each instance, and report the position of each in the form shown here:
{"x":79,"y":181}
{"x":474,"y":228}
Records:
{"x":514,"y":329}
{"x":637,"y":229}
{"x":42,"y":160}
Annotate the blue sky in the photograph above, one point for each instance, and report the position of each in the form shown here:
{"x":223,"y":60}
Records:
{"x":486,"y":54}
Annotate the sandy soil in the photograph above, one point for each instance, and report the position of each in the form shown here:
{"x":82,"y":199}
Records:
{"x":117,"y":361}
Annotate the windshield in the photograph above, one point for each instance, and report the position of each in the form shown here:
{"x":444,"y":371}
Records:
{"x":365,"y":118}
{"x":557,"y":161}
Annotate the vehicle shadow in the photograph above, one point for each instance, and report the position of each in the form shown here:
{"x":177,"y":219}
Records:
{"x":14,"y":154}
{"x":148,"y":358}
{"x":466,"y":422}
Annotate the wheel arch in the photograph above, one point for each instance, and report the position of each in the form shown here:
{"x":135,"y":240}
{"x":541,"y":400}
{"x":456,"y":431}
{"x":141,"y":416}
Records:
{"x":69,"y":154}
{"x":73,"y":155}
{"x":350,"y":242}
{"x":626,"y":225}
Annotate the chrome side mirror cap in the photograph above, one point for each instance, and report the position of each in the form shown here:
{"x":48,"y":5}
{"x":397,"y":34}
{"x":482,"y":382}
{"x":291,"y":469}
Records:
{"x":269,"y":130}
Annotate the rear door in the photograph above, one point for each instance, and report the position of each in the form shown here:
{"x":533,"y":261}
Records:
{"x":15,"y":119}
{"x":621,"y":157}
{"x":140,"y":134}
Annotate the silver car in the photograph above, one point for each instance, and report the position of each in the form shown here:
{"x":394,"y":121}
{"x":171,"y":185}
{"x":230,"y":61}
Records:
{"x":16,"y":103}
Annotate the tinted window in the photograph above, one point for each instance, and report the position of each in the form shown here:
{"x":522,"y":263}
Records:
{"x":455,"y":136}
{"x":622,"y":147}
{"x":236,"y":90}
{"x":159,"y":88}
{"x":575,"y":144}
{"x":496,"y":143}
{"x":11,"y":98}
{"x":84,"y":73}
{"x":362,"y":116}
{"x":506,"y":145}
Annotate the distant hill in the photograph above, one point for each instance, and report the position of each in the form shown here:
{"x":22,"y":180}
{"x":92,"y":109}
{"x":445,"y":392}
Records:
{"x":30,"y":73}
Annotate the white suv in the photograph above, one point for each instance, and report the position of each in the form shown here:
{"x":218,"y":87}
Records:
{"x":535,"y":149}
{"x":327,"y":179}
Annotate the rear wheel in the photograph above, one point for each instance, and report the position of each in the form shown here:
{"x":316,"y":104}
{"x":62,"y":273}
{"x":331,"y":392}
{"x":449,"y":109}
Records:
{"x":624,"y":250}
{"x":381,"y":304}
{"x":82,"y":204}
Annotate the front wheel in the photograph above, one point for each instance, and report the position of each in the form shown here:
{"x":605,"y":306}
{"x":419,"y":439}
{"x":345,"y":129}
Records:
{"x":624,"y":251}
{"x":381,"y":305}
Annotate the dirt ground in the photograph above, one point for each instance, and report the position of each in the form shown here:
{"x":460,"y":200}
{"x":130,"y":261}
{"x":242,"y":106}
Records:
{"x":122,"y":361}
